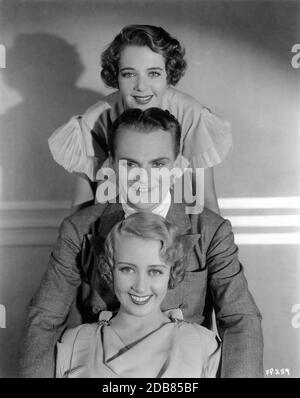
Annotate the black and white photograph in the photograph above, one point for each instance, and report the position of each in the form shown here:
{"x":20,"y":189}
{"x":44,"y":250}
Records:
{"x":150,"y":191}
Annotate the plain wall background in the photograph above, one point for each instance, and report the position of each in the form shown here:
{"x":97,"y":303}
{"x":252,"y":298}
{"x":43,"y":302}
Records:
{"x":239,"y":65}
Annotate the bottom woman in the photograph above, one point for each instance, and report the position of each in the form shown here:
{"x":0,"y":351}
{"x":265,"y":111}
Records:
{"x":143,"y":258}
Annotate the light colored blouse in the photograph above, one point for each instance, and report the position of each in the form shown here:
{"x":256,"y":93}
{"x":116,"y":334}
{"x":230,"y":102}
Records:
{"x":177,"y":349}
{"x":80,"y":146}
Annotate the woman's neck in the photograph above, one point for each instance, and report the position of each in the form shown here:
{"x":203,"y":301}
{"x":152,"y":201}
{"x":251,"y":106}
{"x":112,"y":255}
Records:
{"x":131,"y":328}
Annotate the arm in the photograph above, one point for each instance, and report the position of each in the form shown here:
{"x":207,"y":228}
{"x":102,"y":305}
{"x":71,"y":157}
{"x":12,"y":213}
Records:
{"x":83,"y":194}
{"x":238,"y":318}
{"x":210,"y":196}
{"x":80,"y":147}
{"x":49,"y":308}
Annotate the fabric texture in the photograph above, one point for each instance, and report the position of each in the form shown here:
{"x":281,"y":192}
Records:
{"x":80,"y":145}
{"x":177,"y":349}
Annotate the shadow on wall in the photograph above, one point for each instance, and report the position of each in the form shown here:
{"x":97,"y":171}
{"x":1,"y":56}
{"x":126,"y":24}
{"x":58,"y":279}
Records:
{"x":44,"y":69}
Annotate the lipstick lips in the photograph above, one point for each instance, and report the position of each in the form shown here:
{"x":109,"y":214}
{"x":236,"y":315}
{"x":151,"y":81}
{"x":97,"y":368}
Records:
{"x":142,"y":100}
{"x":140,"y":300}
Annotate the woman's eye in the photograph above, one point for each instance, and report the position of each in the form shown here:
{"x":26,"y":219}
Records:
{"x":155,"y":272}
{"x":154,"y":74}
{"x":127,"y":75}
{"x":126,"y":270}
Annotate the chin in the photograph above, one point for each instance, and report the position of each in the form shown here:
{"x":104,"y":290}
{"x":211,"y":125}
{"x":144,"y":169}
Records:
{"x":151,"y":104}
{"x":143,"y":206}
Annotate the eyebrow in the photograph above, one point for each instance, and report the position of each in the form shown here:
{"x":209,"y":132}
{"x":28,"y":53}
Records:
{"x":125,"y":263}
{"x":134,"y":265}
{"x":151,"y":161}
{"x":149,"y":69}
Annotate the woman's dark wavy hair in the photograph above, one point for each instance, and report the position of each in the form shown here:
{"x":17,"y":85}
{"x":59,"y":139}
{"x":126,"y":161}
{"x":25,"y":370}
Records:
{"x":157,"y":39}
{"x":148,"y":226}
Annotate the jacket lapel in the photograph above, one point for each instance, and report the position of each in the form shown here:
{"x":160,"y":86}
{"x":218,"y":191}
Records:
{"x":189,"y":240}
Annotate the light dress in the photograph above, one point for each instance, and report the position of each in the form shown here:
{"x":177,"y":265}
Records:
{"x":177,"y":349}
{"x":80,"y":145}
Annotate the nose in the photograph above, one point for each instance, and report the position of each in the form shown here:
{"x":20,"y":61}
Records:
{"x":141,"y":83}
{"x":144,"y":177}
{"x":140,"y":175}
{"x":140,"y":283}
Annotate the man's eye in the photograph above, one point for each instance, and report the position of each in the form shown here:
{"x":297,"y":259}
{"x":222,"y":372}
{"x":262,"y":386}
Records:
{"x":127,"y":164}
{"x":158,"y":164}
{"x":131,"y":164}
{"x":154,"y":74}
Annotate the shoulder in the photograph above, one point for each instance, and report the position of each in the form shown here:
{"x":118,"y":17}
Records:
{"x":95,"y":111}
{"x":83,"y":220}
{"x":182,"y":99}
{"x":73,"y":349}
{"x":194,"y":335}
{"x":193,"y":330}
{"x":82,"y":333}
{"x":208,"y":220}
{"x":212,"y":227}
{"x":186,"y":104}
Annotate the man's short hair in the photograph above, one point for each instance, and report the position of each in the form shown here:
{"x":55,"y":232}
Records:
{"x":146,"y":121}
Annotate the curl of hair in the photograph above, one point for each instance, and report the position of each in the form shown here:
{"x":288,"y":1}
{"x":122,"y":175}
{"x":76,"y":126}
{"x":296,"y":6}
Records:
{"x":106,"y":264}
{"x":157,"y":39}
{"x":175,"y":257}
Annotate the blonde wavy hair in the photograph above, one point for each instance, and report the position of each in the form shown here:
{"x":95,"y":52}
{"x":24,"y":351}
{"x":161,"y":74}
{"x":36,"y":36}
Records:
{"x":146,"y":226}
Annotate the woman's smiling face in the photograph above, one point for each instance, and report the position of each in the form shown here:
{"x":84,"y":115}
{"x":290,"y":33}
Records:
{"x":140,"y":276}
{"x":142,"y":77}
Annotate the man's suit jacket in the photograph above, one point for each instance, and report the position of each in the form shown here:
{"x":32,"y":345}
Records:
{"x":217,"y":281}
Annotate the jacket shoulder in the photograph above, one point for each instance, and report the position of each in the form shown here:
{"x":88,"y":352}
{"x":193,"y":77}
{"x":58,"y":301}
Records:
{"x":211,"y":226}
{"x":208,"y":220}
{"x":83,"y":220}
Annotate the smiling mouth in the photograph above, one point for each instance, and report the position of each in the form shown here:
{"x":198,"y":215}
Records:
{"x":144,"y":188}
{"x":142,"y":100}
{"x":140,"y":300}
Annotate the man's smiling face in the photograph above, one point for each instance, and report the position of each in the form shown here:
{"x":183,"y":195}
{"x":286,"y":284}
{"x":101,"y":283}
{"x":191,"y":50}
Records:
{"x":139,"y":156}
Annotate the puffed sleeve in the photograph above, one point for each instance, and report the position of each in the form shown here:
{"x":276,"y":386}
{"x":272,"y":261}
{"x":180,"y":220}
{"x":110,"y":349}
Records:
{"x":80,"y":145}
{"x":207,"y":138}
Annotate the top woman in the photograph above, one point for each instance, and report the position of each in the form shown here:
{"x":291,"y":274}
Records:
{"x":143,"y":63}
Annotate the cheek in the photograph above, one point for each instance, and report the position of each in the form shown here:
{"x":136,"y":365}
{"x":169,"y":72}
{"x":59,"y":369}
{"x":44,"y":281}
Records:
{"x":125,"y":86}
{"x":122,"y":283}
{"x":160,"y":286}
{"x":160,"y":86}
